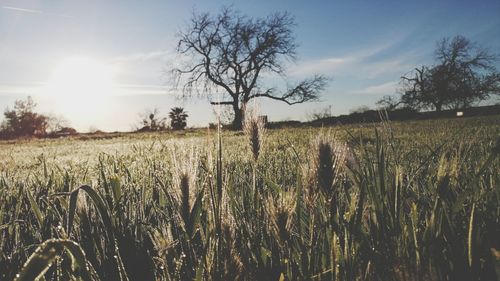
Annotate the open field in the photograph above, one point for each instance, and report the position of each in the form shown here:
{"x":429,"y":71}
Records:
{"x":388,"y":201}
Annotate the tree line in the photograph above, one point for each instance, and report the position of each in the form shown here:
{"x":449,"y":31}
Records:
{"x":153,"y":121}
{"x":22,"y":121}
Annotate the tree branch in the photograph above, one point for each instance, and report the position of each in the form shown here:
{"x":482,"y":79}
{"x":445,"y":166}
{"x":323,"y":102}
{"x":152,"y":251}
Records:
{"x":306,"y":90}
{"x":221,"y":102}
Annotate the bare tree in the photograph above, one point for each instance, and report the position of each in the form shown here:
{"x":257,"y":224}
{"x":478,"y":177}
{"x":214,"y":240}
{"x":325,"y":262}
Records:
{"x":388,"y":102}
{"x":464,"y":74}
{"x":233,"y":52}
{"x":319,"y":114}
{"x":56,"y":123}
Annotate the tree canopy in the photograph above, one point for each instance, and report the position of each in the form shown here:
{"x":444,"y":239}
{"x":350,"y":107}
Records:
{"x":232,"y":52}
{"x":178,"y":118}
{"x":463,"y":75}
{"x":23,"y":121}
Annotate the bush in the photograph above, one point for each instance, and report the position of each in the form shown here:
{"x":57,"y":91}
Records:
{"x":23,"y":121}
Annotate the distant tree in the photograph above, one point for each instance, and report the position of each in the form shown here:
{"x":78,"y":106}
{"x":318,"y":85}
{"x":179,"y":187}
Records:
{"x":152,"y":121}
{"x":23,"y":121}
{"x":319,"y":114}
{"x":463,"y":75}
{"x":233,"y":52}
{"x":178,"y":118}
{"x":388,"y":102}
{"x":56,"y":123}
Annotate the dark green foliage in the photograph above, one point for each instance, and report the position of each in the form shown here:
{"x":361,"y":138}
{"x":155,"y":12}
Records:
{"x":178,"y":118}
{"x":325,"y":174}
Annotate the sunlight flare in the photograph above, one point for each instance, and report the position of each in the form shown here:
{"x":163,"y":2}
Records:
{"x":81,"y":77}
{"x":82,"y":88}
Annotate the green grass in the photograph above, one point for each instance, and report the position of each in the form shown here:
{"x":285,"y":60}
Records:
{"x":387,"y":201}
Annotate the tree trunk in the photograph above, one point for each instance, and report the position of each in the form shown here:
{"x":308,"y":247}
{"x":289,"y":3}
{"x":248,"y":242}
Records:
{"x":239,"y":115}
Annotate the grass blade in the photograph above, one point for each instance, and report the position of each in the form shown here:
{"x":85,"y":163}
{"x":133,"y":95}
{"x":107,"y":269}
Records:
{"x":43,"y":257}
{"x":35,"y":208}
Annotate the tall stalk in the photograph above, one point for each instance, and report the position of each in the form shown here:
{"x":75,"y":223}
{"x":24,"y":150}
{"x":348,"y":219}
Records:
{"x":218,"y":231}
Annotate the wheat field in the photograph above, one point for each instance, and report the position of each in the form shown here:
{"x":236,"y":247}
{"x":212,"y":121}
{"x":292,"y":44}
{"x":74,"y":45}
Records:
{"x":387,"y":201}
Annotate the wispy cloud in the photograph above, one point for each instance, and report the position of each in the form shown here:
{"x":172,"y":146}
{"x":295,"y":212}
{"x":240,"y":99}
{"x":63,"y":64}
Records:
{"x":140,"y":89}
{"x":145,"y":56}
{"x":366,"y":63}
{"x":326,"y":65}
{"x":118,"y":89}
{"x":337,"y":63}
{"x":20,"y":89}
{"x":32,"y":11}
{"x":17,"y":9}
{"x":387,"y":88}
{"x":396,"y":65}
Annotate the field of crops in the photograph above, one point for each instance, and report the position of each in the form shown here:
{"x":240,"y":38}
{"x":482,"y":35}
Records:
{"x":387,"y":201}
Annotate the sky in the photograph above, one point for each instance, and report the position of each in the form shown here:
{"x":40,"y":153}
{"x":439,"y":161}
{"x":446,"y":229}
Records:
{"x":66,"y":53}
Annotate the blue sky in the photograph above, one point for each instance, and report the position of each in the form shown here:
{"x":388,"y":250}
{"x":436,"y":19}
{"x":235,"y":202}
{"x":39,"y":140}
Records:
{"x":364,"y":46}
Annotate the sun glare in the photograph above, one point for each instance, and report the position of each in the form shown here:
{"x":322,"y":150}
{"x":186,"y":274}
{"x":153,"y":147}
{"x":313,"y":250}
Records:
{"x":82,"y":78}
{"x":81,"y":88}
